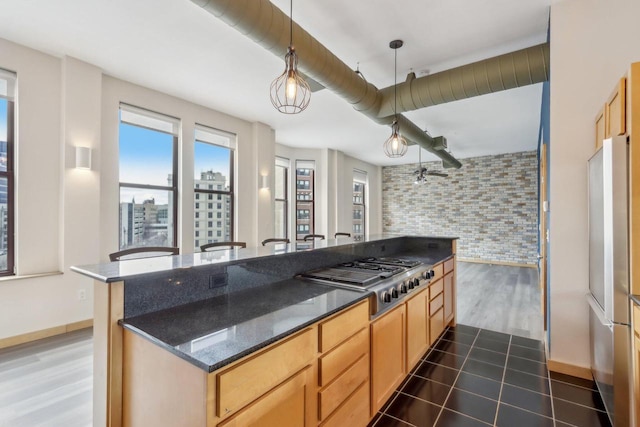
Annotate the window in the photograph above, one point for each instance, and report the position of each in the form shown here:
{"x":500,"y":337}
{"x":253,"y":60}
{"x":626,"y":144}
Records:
{"x":281,"y":198}
{"x":213,"y":175}
{"x":304,"y":198}
{"x":7,"y":142}
{"x":359,"y":197}
{"x":148,"y":178}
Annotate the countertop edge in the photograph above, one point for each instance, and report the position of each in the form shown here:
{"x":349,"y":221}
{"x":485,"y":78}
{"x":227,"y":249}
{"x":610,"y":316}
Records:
{"x":211,"y":368}
{"x":193,"y":260}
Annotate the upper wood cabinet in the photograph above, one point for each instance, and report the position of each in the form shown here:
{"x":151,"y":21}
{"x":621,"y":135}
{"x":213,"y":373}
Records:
{"x":612,"y":119}
{"x":617,"y":110}
{"x":601,"y":126}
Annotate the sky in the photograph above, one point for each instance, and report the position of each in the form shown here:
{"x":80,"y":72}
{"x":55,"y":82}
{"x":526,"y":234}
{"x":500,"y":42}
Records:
{"x":146,"y":158}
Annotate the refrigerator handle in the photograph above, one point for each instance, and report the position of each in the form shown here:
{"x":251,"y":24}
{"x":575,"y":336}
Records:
{"x":598,"y":311}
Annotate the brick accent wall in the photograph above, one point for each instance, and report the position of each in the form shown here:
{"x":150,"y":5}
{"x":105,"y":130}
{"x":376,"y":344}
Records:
{"x":491,"y":204}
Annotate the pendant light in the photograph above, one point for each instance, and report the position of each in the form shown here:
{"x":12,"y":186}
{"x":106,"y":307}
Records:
{"x":395,"y":145}
{"x":290,"y":93}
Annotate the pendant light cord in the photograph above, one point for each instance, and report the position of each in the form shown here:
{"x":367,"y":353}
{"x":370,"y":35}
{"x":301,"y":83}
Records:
{"x":291,"y":23}
{"x":395,"y":84}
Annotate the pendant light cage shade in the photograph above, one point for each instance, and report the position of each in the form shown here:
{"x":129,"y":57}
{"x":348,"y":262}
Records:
{"x":290,"y":93}
{"x":395,"y":145}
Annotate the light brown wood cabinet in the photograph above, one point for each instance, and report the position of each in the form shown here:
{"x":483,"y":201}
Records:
{"x":612,"y":119}
{"x":289,"y":383}
{"x":636,"y":361}
{"x":417,"y":327}
{"x":337,"y":372}
{"x":388,"y":366}
{"x":343,"y":367}
{"x":284,"y":406}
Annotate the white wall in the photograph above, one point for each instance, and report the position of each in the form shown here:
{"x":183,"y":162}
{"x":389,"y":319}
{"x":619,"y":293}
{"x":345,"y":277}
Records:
{"x":66,"y":216}
{"x":253,"y":146}
{"x":334,"y":189}
{"x":592,"y":44}
{"x":51,"y":196}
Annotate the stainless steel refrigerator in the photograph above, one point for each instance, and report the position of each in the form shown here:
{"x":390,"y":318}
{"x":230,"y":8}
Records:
{"x":609,"y":317}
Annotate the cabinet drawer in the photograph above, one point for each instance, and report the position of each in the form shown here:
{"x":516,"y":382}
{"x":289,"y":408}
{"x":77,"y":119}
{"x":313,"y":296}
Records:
{"x":339,"y":328}
{"x":334,"y":362}
{"x":636,"y":319}
{"x":249,"y":380}
{"x":435,"y":288}
{"x":283,"y":406}
{"x":338,"y":391}
{"x":438,"y":271}
{"x":436,"y":303}
{"x":354,"y":412}
{"x":448,"y":265}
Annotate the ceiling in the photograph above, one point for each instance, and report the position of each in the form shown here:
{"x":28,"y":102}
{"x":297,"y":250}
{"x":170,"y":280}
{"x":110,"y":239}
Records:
{"x":176,"y":47}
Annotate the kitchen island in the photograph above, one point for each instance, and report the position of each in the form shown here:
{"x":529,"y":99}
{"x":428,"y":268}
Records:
{"x":222,"y":337}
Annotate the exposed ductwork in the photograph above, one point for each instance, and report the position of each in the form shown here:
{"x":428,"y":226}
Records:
{"x":268,"y":26}
{"x":520,"y":68}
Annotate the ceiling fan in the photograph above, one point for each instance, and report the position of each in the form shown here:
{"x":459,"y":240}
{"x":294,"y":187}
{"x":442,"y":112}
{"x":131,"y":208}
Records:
{"x":422,"y":172}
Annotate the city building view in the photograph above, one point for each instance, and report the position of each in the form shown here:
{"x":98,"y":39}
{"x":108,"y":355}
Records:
{"x":358,"y":210}
{"x":144,"y":224}
{"x":213,"y":213}
{"x":304,"y":202}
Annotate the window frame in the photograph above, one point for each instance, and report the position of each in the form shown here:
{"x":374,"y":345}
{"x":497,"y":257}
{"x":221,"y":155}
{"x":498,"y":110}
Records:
{"x":212,"y":191}
{"x":360,"y":206}
{"x":285,"y":200}
{"x":9,"y":174}
{"x":308,"y":169}
{"x":174,"y":168}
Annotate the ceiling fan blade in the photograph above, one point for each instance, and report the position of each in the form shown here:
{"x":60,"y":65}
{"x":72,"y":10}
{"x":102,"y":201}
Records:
{"x":444,"y":175}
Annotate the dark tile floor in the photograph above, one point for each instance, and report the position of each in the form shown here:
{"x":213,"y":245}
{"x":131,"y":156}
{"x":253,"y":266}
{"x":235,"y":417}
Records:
{"x":476,"y":377}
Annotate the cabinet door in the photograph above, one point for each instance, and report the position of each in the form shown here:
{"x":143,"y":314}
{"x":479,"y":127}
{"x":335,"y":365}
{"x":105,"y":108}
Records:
{"x":617,"y":111}
{"x":284,"y":406}
{"x":601,"y":127}
{"x":449,"y":290}
{"x":436,"y":325}
{"x":636,"y":361}
{"x":387,"y":356}
{"x":417,"y":328}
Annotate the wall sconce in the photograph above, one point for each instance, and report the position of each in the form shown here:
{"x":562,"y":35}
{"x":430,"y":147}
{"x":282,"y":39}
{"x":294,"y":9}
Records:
{"x":264,"y":182}
{"x":83,"y":158}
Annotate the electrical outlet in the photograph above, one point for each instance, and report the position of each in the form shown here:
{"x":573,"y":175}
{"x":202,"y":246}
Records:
{"x":82,"y":294}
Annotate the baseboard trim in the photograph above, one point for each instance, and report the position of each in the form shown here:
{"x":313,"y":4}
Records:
{"x":568,"y":369}
{"x":510,"y":264}
{"x":45,"y":333}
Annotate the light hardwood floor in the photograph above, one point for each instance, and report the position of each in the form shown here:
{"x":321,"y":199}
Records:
{"x":499,"y":298}
{"x":49,"y":382}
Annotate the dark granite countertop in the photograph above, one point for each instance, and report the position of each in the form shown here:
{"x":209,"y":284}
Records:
{"x":635,"y":299}
{"x":215,"y":332}
{"x":121,"y":270}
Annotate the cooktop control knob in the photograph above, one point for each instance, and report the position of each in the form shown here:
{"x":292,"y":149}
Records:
{"x":432,"y":273}
{"x":416,"y":281}
{"x":386,"y":297}
{"x":394,"y":293}
{"x":403,"y":288}
{"x":411,"y":285}
{"x":426,"y":275}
